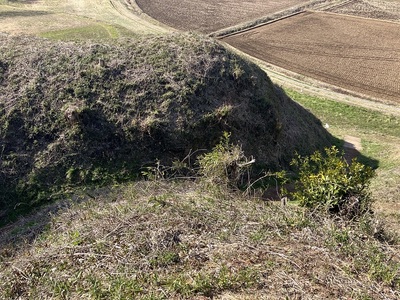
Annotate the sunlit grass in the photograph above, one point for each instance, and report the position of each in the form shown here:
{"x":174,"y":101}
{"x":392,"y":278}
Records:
{"x":348,"y":117}
{"x":91,"y":32}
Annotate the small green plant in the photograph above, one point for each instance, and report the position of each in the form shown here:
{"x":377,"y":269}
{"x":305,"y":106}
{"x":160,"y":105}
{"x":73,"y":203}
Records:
{"x":76,"y":238}
{"x":225,"y":165}
{"x":154,"y":173}
{"x":328,"y":181}
{"x":382,"y":269}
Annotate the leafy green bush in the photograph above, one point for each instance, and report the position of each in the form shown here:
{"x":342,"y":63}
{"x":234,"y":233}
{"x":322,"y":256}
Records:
{"x":328,"y":181}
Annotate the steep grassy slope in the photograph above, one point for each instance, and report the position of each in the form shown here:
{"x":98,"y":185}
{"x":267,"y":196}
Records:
{"x":87,"y":113}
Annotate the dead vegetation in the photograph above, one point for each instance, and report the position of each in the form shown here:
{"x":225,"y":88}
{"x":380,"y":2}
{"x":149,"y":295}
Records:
{"x":174,"y":240}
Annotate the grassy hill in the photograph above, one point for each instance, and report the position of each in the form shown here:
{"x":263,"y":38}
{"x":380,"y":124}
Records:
{"x":95,"y":114}
{"x":80,"y":121}
{"x":90,"y":113}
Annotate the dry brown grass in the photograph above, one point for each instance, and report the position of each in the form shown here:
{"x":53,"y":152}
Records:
{"x":376,"y":9}
{"x":173,"y":240}
{"x":39,"y":17}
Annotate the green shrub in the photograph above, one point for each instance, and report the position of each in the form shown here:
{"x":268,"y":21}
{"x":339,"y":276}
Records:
{"x":329,"y":182}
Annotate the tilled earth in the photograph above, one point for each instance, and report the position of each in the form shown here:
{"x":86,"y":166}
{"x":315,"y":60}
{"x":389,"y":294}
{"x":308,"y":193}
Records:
{"x":360,"y":55}
{"x":208,"y":15}
{"x":357,"y":54}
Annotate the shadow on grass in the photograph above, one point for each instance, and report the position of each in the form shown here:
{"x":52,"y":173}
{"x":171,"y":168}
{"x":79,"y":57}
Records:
{"x":29,"y":226}
{"x":26,"y":228}
{"x":22,"y":13}
{"x":349,"y":149}
{"x":23,"y":1}
{"x":373,"y":163}
{"x":351,"y":152}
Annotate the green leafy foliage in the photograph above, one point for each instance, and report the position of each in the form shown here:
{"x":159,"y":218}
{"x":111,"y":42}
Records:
{"x":328,"y":181}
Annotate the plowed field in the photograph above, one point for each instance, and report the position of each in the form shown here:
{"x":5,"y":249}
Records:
{"x":209,"y":15}
{"x":361,"y":55}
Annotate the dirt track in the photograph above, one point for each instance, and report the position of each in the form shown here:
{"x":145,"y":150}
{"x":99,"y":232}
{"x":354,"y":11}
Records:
{"x":340,"y":50}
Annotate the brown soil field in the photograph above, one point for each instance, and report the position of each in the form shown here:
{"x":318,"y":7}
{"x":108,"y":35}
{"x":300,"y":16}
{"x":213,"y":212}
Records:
{"x":357,"y":54}
{"x":209,"y":15}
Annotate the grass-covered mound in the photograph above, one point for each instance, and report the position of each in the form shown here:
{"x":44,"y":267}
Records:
{"x":84,"y":113}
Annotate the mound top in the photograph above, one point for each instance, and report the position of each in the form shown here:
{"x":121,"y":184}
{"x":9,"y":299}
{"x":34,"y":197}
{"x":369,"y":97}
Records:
{"x":78,"y":113}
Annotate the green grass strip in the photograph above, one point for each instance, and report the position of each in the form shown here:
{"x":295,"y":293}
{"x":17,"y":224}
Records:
{"x":347,"y":116}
